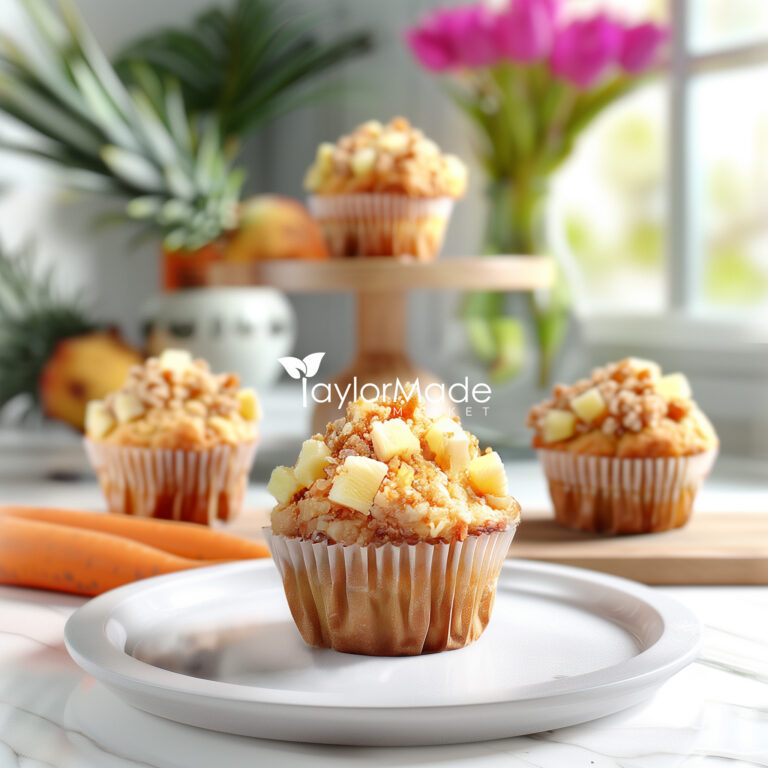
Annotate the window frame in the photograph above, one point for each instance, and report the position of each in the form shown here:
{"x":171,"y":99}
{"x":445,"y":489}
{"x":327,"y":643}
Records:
{"x":685,"y":262}
{"x":724,"y":354}
{"x":681,"y":317}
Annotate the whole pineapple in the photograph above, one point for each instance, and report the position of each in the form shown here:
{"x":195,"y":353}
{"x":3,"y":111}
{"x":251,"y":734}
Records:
{"x":53,"y":354}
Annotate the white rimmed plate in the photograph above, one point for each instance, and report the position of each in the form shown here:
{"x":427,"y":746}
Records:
{"x":217,"y":648}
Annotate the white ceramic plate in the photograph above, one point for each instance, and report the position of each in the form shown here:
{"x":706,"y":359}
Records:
{"x":217,"y":648}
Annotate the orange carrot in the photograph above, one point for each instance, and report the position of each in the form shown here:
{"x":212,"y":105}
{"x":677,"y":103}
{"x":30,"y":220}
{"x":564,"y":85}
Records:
{"x":68,"y":559}
{"x":183,"y":539}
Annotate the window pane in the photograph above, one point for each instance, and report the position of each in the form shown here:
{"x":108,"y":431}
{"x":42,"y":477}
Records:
{"x":627,"y":10}
{"x":610,"y":202}
{"x":718,"y":24}
{"x":730,"y":171}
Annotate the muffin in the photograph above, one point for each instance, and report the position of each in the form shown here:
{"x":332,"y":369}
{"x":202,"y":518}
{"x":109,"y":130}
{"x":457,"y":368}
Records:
{"x":624,"y":451}
{"x":175,"y":442}
{"x":384,"y":190}
{"x":390,"y":532}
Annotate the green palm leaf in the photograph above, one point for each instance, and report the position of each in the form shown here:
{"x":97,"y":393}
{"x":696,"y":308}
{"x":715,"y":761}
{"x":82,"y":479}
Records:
{"x":244,"y":61}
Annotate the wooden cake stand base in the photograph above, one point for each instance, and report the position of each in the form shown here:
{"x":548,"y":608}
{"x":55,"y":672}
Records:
{"x":382,"y":285}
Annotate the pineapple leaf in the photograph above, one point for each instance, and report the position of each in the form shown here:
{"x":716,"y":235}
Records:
{"x":150,"y":86}
{"x":34,"y":318}
{"x":176,"y":115}
{"x":209,"y":156}
{"x":101,"y":108}
{"x":47,"y":71}
{"x":46,"y":116}
{"x":81,"y":180}
{"x":99,"y":135}
{"x":179,"y":184}
{"x":144,"y":207}
{"x":136,"y":171}
{"x":48,"y":24}
{"x":159,"y":140}
{"x":241,"y":61}
{"x":50,"y":154}
{"x":91,"y":53}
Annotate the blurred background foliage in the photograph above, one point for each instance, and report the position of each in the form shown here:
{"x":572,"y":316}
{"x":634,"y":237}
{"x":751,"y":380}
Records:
{"x":613,"y":191}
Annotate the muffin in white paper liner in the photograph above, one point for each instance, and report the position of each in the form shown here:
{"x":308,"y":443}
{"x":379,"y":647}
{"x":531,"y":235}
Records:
{"x":382,"y":225}
{"x":193,"y":486}
{"x":624,"y":495}
{"x":392,"y":599}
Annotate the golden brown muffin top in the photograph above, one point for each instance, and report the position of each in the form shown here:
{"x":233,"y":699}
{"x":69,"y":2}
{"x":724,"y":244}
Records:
{"x":388,"y":473}
{"x":173,"y":402}
{"x":388,"y":159}
{"x":626,"y":409}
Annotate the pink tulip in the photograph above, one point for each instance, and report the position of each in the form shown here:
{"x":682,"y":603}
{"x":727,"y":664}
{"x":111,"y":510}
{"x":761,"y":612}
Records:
{"x":455,"y":37}
{"x":471,"y":30}
{"x":585,"y":48}
{"x":640,"y":46}
{"x":431,"y":47}
{"x":526,"y":28}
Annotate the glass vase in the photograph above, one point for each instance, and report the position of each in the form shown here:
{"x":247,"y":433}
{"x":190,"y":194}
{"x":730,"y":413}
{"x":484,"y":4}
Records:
{"x":517,"y":337}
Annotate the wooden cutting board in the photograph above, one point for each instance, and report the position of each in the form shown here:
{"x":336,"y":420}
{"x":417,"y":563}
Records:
{"x":714,"y":548}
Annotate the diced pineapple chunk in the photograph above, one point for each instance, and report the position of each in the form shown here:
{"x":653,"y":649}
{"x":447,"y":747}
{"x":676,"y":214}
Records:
{"x":427,"y":148}
{"x":455,"y":169}
{"x":313,"y":178}
{"x":487,"y":475}
{"x":674,"y":386}
{"x":127,"y":407}
{"x":337,"y":530}
{"x":357,"y":483}
{"x":311,"y":462}
{"x":175,"y":360}
{"x":371,"y":127}
{"x":324,"y":157}
{"x":224,"y":428}
{"x":394,"y":142}
{"x":405,"y":475}
{"x":454,"y":453}
{"x":363,"y":161}
{"x":435,"y":434}
{"x":558,"y":425}
{"x":589,"y":405}
{"x":450,"y":444}
{"x":283,"y":484}
{"x":638,"y":364}
{"x":98,"y":419}
{"x":393,"y":438}
{"x":250,"y":407}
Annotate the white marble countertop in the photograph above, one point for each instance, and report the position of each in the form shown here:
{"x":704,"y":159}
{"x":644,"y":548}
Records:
{"x":713,"y":713}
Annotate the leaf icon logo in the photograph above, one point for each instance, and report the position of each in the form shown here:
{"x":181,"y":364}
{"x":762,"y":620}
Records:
{"x":309,"y":366}
{"x":312,"y":363}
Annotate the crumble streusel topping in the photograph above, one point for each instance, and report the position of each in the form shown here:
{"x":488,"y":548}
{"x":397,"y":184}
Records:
{"x":392,"y":158}
{"x":628,"y":396}
{"x":388,"y":473}
{"x":174,"y":399}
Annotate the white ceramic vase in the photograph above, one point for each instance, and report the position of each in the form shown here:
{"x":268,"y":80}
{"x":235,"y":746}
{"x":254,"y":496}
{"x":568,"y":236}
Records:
{"x":243,"y":330}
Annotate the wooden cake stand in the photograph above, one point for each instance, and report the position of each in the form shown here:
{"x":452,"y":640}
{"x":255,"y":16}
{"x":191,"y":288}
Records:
{"x":381,"y":285}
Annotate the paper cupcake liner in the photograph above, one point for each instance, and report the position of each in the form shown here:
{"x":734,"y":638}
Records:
{"x":391,"y":600}
{"x":613,"y":495}
{"x":382,"y":225}
{"x":194,"y":486}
